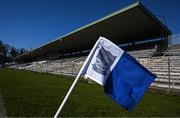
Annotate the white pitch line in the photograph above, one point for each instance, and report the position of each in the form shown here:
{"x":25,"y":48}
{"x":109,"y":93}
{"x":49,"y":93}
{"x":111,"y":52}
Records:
{"x":2,"y":108}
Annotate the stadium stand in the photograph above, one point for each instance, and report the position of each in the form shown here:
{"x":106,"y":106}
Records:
{"x":166,"y":67}
{"x":158,"y":65}
{"x":143,"y":36}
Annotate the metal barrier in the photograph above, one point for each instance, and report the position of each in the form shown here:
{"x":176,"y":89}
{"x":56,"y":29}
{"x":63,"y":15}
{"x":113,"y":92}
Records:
{"x":167,"y":70}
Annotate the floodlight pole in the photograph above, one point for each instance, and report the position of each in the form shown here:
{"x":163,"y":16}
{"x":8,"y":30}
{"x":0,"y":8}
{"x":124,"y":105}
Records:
{"x":86,"y":63}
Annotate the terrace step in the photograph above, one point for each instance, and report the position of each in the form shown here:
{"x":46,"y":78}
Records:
{"x":165,"y":86}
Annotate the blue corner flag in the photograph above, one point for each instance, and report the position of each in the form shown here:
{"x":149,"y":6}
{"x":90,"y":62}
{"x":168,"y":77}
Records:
{"x":124,"y":79}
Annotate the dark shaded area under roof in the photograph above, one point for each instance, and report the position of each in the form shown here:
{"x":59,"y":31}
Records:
{"x":129,"y":24}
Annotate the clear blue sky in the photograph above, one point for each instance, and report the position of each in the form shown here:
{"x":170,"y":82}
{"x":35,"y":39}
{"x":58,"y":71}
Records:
{"x":31,"y":23}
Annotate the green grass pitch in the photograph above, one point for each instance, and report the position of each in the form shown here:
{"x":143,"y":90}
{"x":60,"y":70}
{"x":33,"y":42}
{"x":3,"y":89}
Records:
{"x":39,"y":95}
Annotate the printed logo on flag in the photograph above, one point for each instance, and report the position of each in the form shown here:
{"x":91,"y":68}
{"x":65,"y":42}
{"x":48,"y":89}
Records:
{"x":103,"y":62}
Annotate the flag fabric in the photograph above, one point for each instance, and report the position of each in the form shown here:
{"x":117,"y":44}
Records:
{"x":124,"y":79}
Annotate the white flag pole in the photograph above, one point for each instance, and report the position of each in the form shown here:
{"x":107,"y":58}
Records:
{"x":77,"y":78}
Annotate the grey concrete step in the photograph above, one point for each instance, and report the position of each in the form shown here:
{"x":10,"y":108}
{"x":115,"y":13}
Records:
{"x":164,"y":70}
{"x":167,"y":77}
{"x":166,"y":86}
{"x":172,"y":73}
{"x":167,"y":80}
